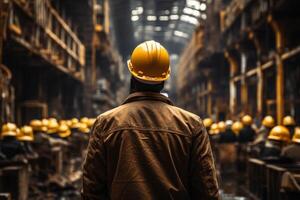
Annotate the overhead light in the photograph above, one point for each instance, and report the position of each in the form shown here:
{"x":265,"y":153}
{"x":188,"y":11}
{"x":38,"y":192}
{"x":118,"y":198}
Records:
{"x":157,"y":28}
{"x":163,"y":18}
{"x":134,"y":18}
{"x":151,"y":18}
{"x":203,"y":16}
{"x":174,"y":17}
{"x":181,"y":34}
{"x":189,"y":19}
{"x":139,"y":10}
{"x":193,"y":4}
{"x":191,"y":11}
{"x":203,"y":6}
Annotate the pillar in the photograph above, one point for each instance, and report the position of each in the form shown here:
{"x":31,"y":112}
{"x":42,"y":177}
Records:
{"x":232,"y":88}
{"x":279,"y":68}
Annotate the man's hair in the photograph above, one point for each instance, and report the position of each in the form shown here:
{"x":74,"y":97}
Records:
{"x":138,"y":86}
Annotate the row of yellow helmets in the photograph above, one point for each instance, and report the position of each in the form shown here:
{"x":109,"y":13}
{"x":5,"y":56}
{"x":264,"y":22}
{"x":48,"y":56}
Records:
{"x":49,"y":126}
{"x":279,"y":133}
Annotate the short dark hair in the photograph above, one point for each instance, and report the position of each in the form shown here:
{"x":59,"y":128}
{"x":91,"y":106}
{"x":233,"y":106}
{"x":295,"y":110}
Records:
{"x":138,"y":86}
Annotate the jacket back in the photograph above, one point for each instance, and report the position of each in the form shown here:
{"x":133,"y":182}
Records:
{"x":149,"y":149}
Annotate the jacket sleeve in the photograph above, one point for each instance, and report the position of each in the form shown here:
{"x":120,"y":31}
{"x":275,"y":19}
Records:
{"x":203,"y":176}
{"x":94,"y":167}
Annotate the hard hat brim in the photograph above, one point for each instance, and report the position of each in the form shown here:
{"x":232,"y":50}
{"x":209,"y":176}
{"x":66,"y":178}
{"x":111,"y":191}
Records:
{"x":26,"y":138}
{"x":65,"y":134}
{"x":276,"y":138}
{"x":147,"y":78}
{"x":9,"y":133}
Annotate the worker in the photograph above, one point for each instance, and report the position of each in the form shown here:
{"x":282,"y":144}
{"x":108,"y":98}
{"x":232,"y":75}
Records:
{"x":289,"y":122}
{"x":26,"y":137}
{"x":10,"y":146}
{"x":42,"y":146}
{"x":292,"y":150}
{"x":228,"y":136}
{"x":222,"y":129}
{"x":214,"y":133}
{"x":207,"y":123}
{"x":147,"y":148}
{"x":247,"y":134}
{"x":52,"y":129}
{"x":277,"y":139}
{"x":262,"y":134}
{"x":241,"y":152}
{"x":237,"y":127}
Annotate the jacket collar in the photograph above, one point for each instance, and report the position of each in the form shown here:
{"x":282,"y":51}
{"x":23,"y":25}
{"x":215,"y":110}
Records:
{"x":151,"y":96}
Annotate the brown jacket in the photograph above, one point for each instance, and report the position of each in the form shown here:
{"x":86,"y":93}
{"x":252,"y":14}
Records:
{"x":149,"y":149}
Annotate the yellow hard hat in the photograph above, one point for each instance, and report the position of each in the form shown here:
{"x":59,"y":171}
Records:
{"x":64,"y":131}
{"x":9,"y":129}
{"x":296,"y":137}
{"x":91,"y":122}
{"x":279,"y":133}
{"x":247,"y":120}
{"x":26,"y":134}
{"x":52,"y":126}
{"x":150,"y":62}
{"x":207,"y":122}
{"x":237,"y":127}
{"x":214,"y":129}
{"x":63,"y":122}
{"x":289,"y":121}
{"x":84,"y":120}
{"x":74,"y":123}
{"x":222,"y":126}
{"x":83,"y":128}
{"x":268,"y":121}
{"x":52,"y":119}
{"x":69,"y":123}
{"x":38,"y":125}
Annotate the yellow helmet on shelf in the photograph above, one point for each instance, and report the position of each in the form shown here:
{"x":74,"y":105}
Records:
{"x":74,"y":123}
{"x":9,"y":129}
{"x":84,"y":120}
{"x":26,"y":134}
{"x":289,"y":121}
{"x":207,"y":122}
{"x":36,"y":125}
{"x":64,"y":131}
{"x":279,"y":133}
{"x":268,"y":121}
{"x":150,"y":62}
{"x":83,"y":128}
{"x":296,"y":137}
{"x":247,"y":120}
{"x":214,"y":129}
{"x":52,"y":126}
{"x":222,"y":126}
{"x":237,"y":127}
{"x":45,"y":124}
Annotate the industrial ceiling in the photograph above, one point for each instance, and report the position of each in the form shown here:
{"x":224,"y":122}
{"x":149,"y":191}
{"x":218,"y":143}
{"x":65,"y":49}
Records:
{"x":170,"y":22}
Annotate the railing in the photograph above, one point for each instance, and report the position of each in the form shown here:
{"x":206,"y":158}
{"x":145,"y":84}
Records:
{"x":48,"y":34}
{"x":7,"y":95}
